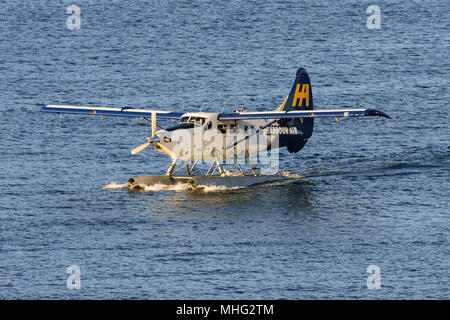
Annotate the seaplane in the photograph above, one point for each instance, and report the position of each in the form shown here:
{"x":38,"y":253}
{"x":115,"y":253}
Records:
{"x":221,"y":138}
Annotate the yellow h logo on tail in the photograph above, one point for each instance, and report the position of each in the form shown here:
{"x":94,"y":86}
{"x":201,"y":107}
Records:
{"x":300,"y":95}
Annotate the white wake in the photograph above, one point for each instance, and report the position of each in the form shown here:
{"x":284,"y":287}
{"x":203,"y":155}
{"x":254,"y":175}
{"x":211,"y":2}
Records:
{"x":114,"y":185}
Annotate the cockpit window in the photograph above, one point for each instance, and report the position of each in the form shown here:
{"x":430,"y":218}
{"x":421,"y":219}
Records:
{"x":200,"y":120}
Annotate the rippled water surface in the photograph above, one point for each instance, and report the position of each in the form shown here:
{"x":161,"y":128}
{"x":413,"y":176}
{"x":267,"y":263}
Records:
{"x":372,"y":192}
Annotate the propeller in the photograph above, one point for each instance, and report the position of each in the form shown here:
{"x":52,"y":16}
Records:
{"x":151,"y":140}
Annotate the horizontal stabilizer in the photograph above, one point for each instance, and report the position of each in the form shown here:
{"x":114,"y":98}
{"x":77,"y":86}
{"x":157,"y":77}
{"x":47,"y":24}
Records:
{"x":302,"y":114}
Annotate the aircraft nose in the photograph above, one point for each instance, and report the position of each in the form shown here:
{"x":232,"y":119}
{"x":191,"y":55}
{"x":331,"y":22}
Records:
{"x":154,"y":139}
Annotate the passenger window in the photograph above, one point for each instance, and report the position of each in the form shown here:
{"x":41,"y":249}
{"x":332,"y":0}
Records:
{"x":222,"y":128}
{"x":208,"y":125}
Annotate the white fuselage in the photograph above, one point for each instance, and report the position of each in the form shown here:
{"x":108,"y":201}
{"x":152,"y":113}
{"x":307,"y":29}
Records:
{"x":201,"y":136}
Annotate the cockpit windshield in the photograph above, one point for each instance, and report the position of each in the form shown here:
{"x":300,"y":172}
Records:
{"x":199,"y":120}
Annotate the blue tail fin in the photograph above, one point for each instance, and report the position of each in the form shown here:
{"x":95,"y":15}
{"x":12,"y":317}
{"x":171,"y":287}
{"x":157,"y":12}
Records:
{"x":300,"y":98}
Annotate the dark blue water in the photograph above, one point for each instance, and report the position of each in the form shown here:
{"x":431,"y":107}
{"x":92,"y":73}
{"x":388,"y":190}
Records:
{"x":374,"y":192}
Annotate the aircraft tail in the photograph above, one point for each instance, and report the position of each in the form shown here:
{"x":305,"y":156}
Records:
{"x":300,"y":98}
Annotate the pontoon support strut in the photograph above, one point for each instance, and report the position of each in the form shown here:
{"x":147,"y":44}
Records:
{"x":171,"y":167}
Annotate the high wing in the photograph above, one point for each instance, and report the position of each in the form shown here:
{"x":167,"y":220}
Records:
{"x":122,"y":112}
{"x":336,"y":113}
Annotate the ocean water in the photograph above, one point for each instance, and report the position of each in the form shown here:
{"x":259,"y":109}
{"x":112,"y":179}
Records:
{"x":372,"y":192}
